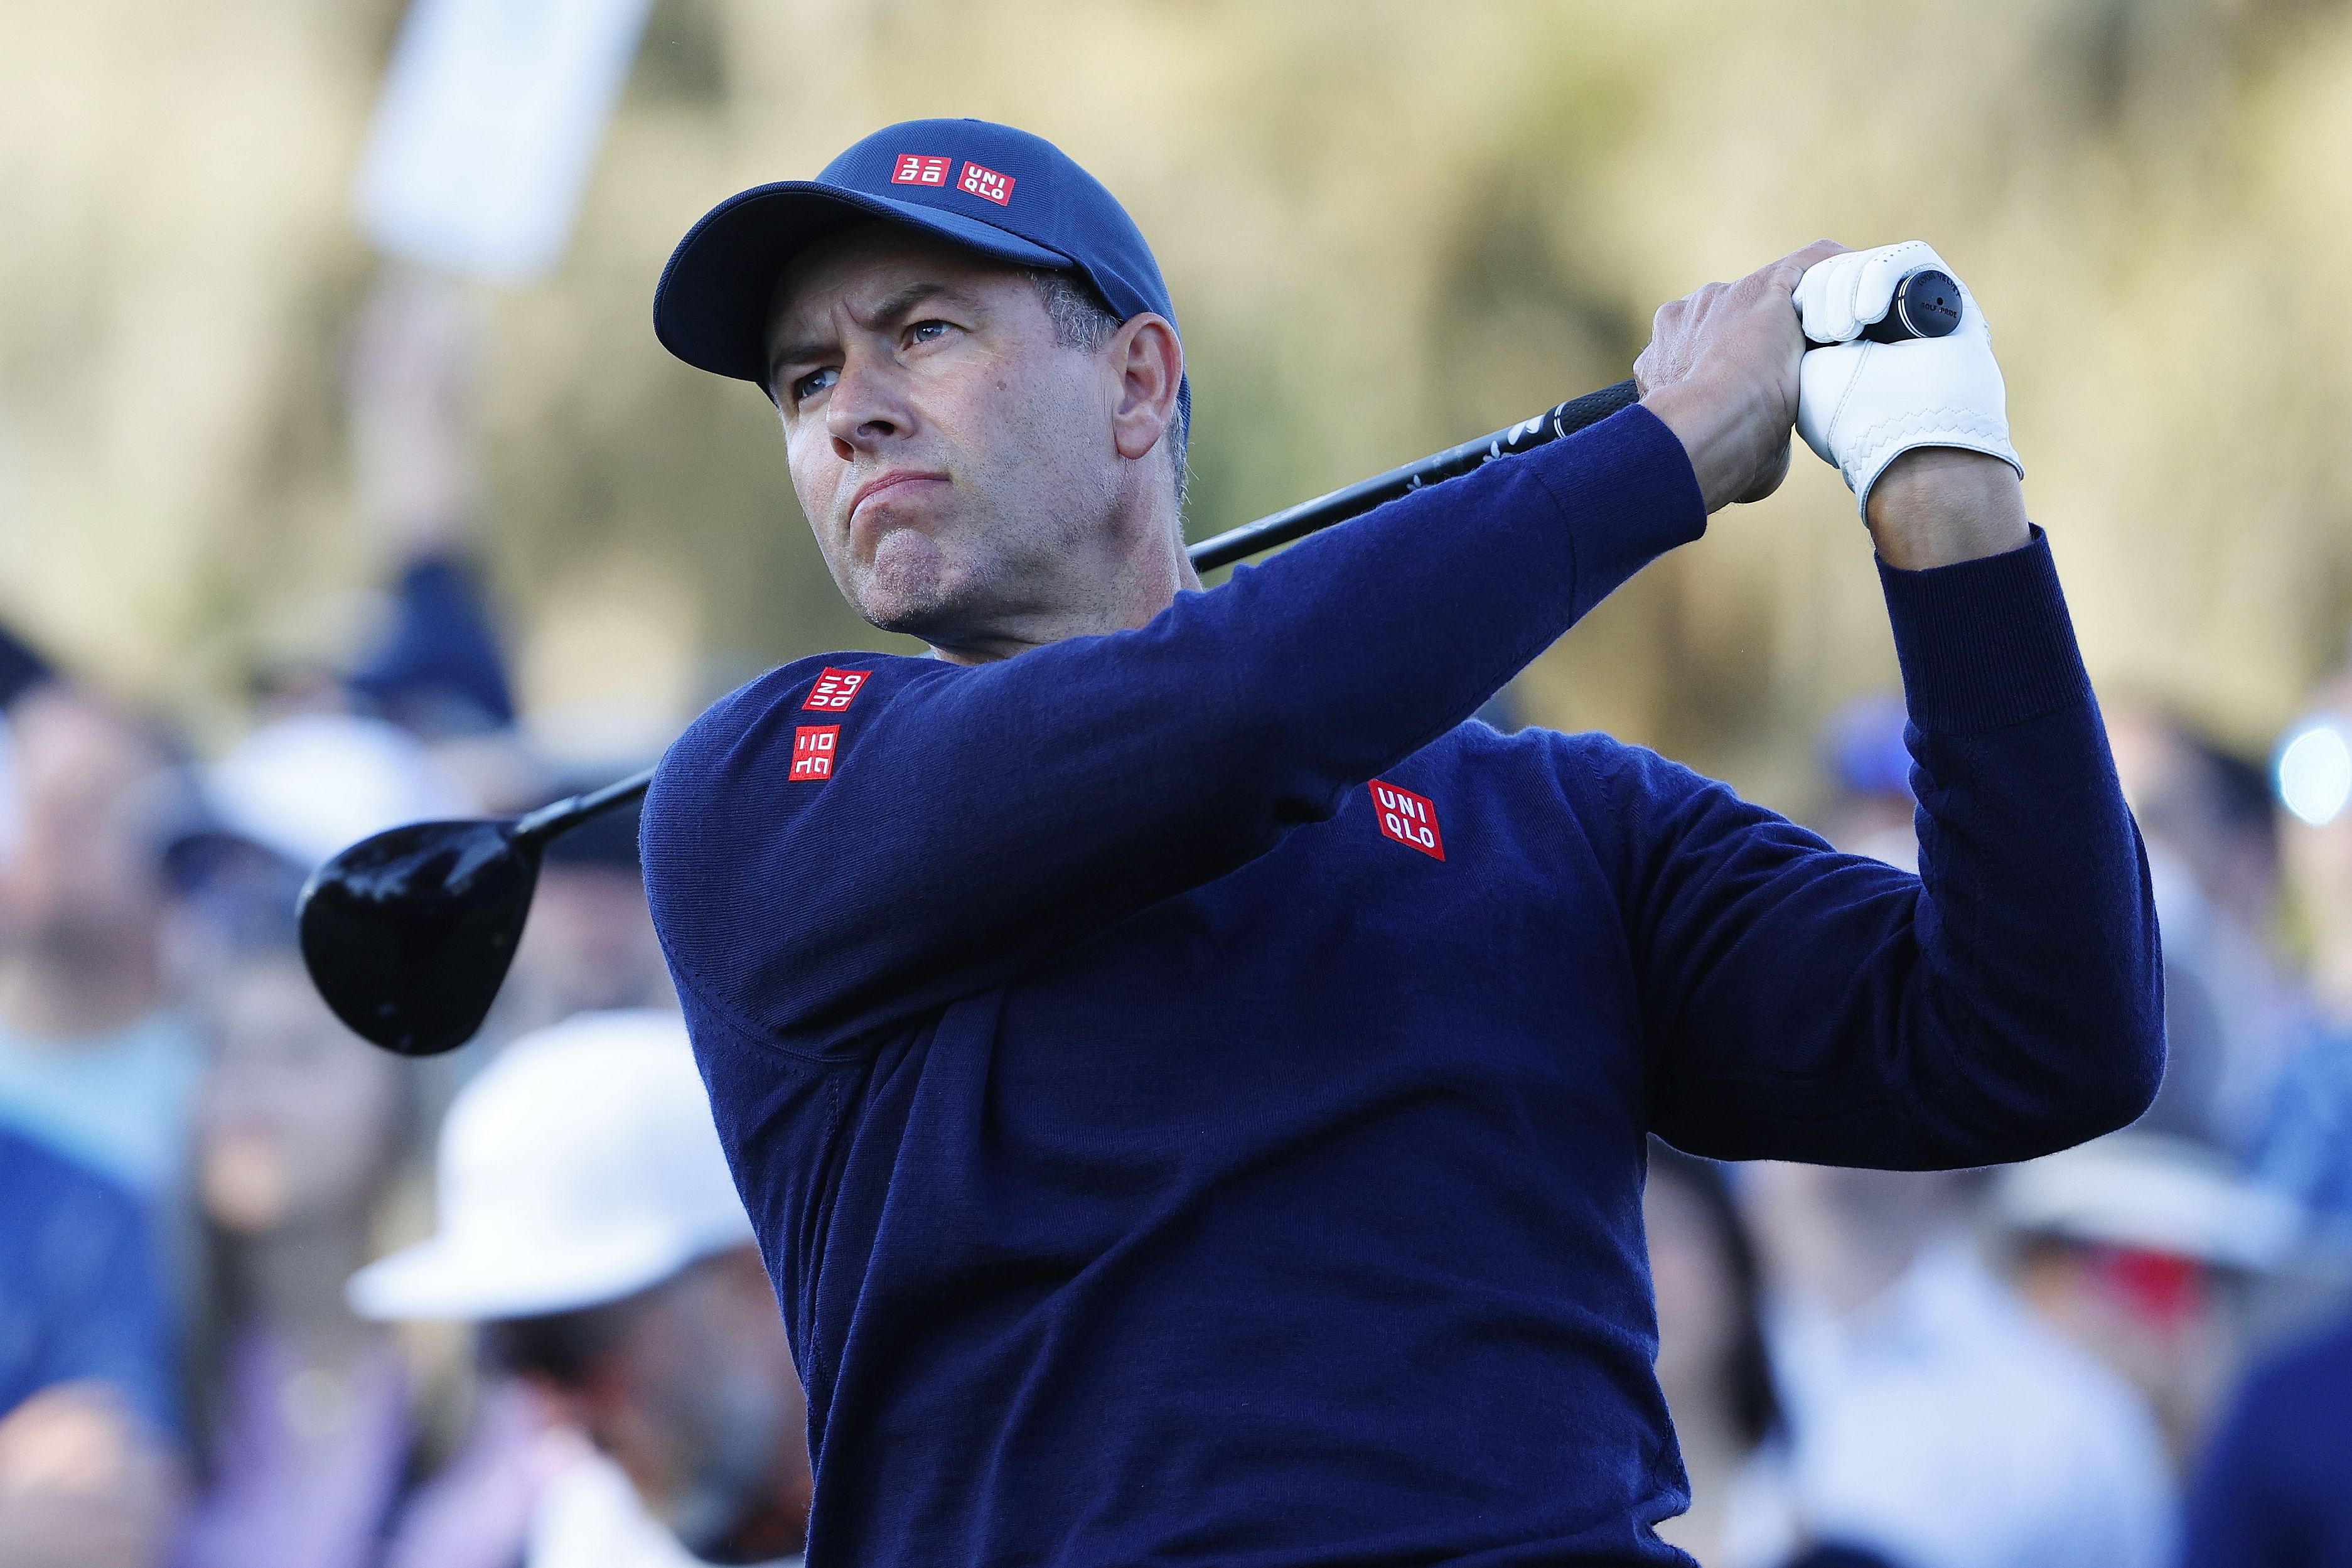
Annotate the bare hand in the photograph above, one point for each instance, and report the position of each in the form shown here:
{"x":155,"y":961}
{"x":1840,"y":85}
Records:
{"x":415,"y":411}
{"x":1721,"y":372}
{"x":82,"y":1483}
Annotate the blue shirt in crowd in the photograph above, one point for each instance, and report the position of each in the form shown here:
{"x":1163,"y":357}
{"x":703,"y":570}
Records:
{"x":79,"y":1298}
{"x":2275,"y":1489}
{"x":1191,"y":1087}
{"x":2307,"y":1146}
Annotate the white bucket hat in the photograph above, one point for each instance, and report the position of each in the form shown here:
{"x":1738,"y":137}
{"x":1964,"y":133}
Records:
{"x":580,"y":1167}
{"x":2152,"y":1191}
{"x":308,"y":785}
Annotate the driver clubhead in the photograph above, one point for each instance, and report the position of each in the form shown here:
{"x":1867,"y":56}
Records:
{"x":409,"y":935}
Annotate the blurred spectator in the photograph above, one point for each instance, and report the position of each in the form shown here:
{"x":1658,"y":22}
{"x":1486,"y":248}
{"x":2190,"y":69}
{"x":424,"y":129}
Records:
{"x":2275,"y":1489}
{"x":2138,"y":1248}
{"x":92,"y":1060}
{"x":86,"y":1480}
{"x":1868,"y":766}
{"x":1931,"y":1417}
{"x":436,"y":668}
{"x":2230,"y":1015}
{"x":589,"y":945}
{"x":300,"y":1128}
{"x":2232,"y":1018}
{"x":587,"y":1218}
{"x":1712,"y":1364}
{"x":2306,"y":1147}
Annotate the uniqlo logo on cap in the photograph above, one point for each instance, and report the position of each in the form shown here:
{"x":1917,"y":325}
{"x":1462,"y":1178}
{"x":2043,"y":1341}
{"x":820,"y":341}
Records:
{"x":916,"y":169}
{"x":836,"y":689}
{"x":986,"y":184}
{"x":1408,"y":818}
{"x":813,"y":748}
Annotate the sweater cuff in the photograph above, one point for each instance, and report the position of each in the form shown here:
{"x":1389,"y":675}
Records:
{"x":1626,"y":488}
{"x":1985,"y":644}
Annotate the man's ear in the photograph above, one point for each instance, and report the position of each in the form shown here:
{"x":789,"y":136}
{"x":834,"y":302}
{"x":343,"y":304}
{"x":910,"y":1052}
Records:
{"x":1150,"y":363}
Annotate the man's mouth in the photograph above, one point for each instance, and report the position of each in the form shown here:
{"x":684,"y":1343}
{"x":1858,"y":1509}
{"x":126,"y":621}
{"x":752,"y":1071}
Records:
{"x":889,"y":483}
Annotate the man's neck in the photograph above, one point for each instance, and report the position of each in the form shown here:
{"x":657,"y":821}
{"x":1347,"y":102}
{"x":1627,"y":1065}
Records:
{"x":1141,"y":568}
{"x":1126,"y":614}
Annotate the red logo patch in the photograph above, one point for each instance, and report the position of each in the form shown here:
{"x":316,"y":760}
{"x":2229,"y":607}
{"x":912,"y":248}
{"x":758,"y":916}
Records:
{"x":813,"y":748}
{"x":836,"y":689}
{"x":914,"y":169}
{"x":986,"y":184}
{"x":1409,"y":818}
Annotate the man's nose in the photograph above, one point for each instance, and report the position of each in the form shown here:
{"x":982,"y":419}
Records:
{"x":867,"y":406}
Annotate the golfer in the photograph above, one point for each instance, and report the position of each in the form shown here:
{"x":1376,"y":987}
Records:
{"x":1190,"y":1081}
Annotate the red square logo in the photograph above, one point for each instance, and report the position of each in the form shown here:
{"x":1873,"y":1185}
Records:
{"x":916,"y":169}
{"x":813,"y":748}
{"x":836,"y":689}
{"x":986,"y":184}
{"x":1408,"y":818}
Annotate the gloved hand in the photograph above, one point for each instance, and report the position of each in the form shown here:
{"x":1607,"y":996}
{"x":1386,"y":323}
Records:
{"x":1861,"y":404}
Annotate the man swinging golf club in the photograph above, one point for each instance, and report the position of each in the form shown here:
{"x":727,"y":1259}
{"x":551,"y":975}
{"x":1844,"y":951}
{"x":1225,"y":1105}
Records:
{"x":1191,"y":1082}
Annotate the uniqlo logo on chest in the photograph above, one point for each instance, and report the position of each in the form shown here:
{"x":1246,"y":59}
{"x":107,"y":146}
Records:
{"x":916,"y":169}
{"x":1408,"y":818}
{"x":814,"y":748}
{"x":986,"y":184}
{"x":836,"y":689}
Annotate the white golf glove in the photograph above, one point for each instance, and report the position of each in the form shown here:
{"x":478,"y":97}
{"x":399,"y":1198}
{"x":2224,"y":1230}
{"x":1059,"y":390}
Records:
{"x":1861,"y":405}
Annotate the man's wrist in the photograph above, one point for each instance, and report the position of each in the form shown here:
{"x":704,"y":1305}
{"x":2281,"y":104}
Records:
{"x":1713,"y":430}
{"x":1937,"y":506}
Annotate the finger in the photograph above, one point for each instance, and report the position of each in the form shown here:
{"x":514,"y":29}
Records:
{"x":1813,"y":254}
{"x":1882,"y":269}
{"x":1787,"y":272}
{"x":1825,"y":297}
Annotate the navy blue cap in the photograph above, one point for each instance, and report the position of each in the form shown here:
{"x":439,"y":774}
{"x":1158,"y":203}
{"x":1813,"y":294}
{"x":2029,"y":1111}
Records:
{"x":993,"y":189}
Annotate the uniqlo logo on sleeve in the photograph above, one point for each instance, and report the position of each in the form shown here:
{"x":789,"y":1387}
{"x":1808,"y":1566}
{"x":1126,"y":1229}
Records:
{"x":986,"y":184}
{"x":1408,"y":818}
{"x":813,"y":748}
{"x":914,"y":169}
{"x":836,"y":689}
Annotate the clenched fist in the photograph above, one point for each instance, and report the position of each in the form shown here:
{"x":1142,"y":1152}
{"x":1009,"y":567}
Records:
{"x":1864,"y":405}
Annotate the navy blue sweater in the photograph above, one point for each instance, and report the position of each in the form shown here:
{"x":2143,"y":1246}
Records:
{"x":1191,"y":1085}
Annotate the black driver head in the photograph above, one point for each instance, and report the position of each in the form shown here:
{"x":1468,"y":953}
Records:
{"x":408,"y":934}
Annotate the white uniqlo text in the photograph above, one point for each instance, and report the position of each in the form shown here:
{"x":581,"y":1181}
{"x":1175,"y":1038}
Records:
{"x":813,"y":748}
{"x":986,"y":184}
{"x":836,"y":689}
{"x":914,"y":169}
{"x":1408,"y":818}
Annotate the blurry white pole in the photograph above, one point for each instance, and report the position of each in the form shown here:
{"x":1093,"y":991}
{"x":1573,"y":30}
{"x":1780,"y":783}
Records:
{"x":492,"y":115}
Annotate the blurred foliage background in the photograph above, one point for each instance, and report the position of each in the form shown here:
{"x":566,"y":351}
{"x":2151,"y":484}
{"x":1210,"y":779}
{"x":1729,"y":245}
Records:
{"x":1388,"y":226}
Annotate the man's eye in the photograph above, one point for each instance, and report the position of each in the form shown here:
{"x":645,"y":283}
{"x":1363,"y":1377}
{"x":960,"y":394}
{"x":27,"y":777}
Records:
{"x":924,"y":332}
{"x":813,"y":382}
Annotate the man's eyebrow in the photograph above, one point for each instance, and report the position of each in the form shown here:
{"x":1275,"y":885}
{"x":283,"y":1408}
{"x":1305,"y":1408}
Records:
{"x":889,"y":310}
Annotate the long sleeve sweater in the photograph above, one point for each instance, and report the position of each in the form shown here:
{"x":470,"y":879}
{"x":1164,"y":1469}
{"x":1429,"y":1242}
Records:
{"x":1191,"y":1085}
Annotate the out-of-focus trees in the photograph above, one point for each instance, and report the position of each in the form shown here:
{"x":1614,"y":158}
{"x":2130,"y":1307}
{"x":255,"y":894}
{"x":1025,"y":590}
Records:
{"x":1388,"y":226}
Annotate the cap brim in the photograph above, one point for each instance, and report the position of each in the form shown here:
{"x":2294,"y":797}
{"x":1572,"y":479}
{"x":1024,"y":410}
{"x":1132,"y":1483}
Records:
{"x":710,"y":308}
{"x":444,"y":1278}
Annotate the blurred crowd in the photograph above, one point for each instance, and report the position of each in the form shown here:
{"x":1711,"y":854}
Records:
{"x":270,"y":1299}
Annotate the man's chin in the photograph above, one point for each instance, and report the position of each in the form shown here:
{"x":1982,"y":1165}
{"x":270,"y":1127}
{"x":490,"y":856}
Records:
{"x":931,"y":613}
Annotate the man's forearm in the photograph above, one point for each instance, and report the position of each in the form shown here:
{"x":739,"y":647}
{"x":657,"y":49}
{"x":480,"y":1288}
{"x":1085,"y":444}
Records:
{"x":1939,"y":506}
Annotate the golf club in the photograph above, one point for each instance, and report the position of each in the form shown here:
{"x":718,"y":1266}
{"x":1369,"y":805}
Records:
{"x":409,"y":934}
